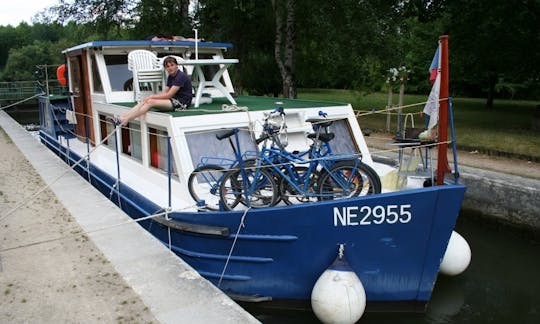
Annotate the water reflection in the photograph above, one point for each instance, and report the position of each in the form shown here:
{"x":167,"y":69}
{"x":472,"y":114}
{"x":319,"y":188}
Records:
{"x":447,"y":300}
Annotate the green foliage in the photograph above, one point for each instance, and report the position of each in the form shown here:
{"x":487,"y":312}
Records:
{"x":161,"y":16}
{"x":249,"y":26}
{"x":107,"y":18}
{"x":493,"y":38}
{"x":22,"y":62}
{"x":343,"y":44}
{"x":351,"y":44}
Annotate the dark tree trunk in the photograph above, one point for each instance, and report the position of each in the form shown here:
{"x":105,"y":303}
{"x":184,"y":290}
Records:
{"x":492,"y":81}
{"x":284,"y":53}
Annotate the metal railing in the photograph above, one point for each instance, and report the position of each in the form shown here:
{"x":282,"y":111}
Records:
{"x":17,"y":90}
{"x":45,"y":83}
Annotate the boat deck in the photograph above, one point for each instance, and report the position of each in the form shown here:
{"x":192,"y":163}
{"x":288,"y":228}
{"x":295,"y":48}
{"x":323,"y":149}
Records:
{"x":251,"y":102}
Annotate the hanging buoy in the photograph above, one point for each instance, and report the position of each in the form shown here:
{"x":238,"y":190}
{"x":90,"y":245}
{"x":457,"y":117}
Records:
{"x":457,"y":256}
{"x":338,"y":295}
{"x":61,"y":75}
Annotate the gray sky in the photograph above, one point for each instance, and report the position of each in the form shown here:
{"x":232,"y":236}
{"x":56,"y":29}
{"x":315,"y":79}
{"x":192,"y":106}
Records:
{"x":15,"y":11}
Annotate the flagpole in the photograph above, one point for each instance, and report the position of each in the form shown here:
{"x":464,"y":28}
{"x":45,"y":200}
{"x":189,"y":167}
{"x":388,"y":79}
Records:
{"x":442,"y":159}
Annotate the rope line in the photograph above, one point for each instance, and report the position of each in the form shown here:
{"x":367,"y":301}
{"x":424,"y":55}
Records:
{"x":385,"y":111}
{"x":32,"y":196}
{"x":240,"y":226}
{"x":78,"y":234}
{"x":16,"y":103}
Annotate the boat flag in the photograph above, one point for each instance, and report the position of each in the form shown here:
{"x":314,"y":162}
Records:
{"x":435,"y":66}
{"x":432,"y":105}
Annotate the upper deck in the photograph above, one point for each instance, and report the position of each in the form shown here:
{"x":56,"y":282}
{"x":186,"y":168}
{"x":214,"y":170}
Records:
{"x":251,"y":103}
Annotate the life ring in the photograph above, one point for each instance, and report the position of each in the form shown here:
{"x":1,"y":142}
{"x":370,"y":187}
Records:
{"x":61,"y":75}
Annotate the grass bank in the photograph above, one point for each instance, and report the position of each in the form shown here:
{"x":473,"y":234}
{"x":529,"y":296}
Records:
{"x":507,"y":129}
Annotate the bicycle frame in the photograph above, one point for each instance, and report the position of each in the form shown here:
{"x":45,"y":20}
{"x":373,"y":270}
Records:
{"x":268,"y":156}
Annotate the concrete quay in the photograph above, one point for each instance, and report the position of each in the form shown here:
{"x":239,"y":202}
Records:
{"x":169,"y":288}
{"x":510,"y":199}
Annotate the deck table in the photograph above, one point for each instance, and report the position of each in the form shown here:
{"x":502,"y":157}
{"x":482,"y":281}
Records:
{"x":215,"y":82}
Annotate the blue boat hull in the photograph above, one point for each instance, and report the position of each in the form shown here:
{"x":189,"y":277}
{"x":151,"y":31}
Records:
{"x":394,"y":241}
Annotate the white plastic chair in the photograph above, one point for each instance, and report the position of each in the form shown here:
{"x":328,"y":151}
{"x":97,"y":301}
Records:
{"x":146,"y":69}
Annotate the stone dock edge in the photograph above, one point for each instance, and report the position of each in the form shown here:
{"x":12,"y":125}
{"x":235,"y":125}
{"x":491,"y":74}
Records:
{"x":499,"y":197}
{"x":171,"y":289}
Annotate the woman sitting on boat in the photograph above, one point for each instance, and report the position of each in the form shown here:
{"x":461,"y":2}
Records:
{"x":176,"y":95}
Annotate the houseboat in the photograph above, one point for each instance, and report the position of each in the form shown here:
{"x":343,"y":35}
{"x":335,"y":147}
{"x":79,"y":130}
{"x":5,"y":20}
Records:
{"x":393,"y":237}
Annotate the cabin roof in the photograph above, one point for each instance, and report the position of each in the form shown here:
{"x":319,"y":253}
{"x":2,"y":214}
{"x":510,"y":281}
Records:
{"x":148,"y":44}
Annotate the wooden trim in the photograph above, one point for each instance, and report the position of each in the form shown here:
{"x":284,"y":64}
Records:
{"x":442,"y":159}
{"x":87,"y":94}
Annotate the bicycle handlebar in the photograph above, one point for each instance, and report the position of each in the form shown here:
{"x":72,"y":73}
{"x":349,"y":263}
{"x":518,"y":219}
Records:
{"x":263,"y":137}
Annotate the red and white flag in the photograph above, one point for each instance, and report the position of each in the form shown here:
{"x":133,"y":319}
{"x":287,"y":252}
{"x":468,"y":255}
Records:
{"x":432,"y":106}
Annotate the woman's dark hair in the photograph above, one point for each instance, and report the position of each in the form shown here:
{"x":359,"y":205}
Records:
{"x":169,"y":59}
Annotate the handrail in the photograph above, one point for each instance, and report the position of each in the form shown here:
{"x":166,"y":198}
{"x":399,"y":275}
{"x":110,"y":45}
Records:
{"x":453,"y":135}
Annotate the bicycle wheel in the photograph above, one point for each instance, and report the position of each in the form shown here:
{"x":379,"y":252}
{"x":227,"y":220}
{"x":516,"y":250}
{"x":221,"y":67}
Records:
{"x":257,"y":186}
{"x":204,"y":183}
{"x":348,"y":178}
{"x":289,"y":195}
{"x":372,"y":178}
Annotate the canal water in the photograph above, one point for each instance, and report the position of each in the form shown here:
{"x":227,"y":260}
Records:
{"x":501,"y":285}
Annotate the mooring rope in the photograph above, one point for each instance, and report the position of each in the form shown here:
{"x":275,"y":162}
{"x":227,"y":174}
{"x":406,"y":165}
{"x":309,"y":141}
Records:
{"x":74,"y":235}
{"x":233,"y":244}
{"x":18,"y":102}
{"x":28,"y":199}
{"x":388,"y":109}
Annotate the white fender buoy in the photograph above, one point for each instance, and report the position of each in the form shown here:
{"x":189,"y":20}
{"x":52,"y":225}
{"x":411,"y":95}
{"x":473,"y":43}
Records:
{"x":338,"y":295}
{"x":457,"y":256}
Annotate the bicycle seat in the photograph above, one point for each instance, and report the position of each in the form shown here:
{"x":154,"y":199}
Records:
{"x":325,"y":137}
{"x":225,"y":134}
{"x":322,"y":122}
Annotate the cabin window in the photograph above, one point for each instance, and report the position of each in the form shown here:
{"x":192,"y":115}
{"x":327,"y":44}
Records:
{"x":106,"y":128}
{"x":119,"y":75}
{"x":343,"y":141}
{"x":96,"y":80}
{"x":159,"y":155}
{"x":131,"y":141}
{"x":205,"y":145}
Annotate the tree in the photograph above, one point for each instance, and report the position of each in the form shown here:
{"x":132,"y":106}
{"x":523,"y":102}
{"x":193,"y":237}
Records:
{"x":346,"y":44}
{"x":109,"y":18}
{"x":284,"y":47}
{"x":22,"y":61}
{"x":490,"y":44}
{"x":8,"y":39}
{"x":171,"y":17}
{"x":249,"y":26}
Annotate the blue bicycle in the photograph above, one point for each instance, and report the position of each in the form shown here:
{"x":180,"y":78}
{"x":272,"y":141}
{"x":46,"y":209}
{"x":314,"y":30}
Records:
{"x":205,"y":180}
{"x":315,"y":174}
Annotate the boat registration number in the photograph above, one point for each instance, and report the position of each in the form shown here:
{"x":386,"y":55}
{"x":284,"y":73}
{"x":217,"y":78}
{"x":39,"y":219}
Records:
{"x":368,"y":215}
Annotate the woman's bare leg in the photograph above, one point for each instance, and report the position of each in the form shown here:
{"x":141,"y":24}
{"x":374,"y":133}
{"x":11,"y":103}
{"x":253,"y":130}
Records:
{"x":142,"y":108}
